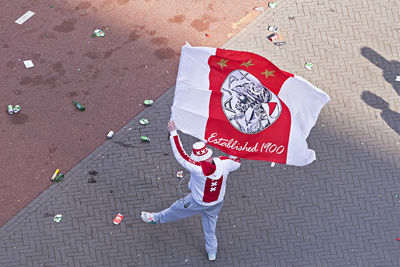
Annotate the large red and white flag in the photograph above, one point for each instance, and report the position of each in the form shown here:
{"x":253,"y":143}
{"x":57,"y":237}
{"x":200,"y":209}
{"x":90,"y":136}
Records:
{"x":244,"y":105}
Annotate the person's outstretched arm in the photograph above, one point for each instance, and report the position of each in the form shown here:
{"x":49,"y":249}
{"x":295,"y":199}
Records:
{"x":179,"y":153}
{"x":233,"y":162}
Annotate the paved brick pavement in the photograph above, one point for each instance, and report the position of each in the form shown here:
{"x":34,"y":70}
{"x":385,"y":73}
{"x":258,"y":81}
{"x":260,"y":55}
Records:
{"x":137,"y":59}
{"x":342,"y":210}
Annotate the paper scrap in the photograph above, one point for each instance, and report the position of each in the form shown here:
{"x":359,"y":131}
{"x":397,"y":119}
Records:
{"x":25,"y":17}
{"x":272,"y":164}
{"x":397,"y":78}
{"x":28,"y":64}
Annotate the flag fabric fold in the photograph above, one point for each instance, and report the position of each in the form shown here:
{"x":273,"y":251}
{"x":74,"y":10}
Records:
{"x":244,"y":105}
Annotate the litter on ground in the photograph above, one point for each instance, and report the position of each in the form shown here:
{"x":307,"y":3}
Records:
{"x":118,"y":219}
{"x":179,"y":174}
{"x":24,"y":17}
{"x":144,"y":121}
{"x":273,"y":28}
{"x":57,"y":218}
{"x":148,"y":102}
{"x":145,"y":139}
{"x":308,"y":65}
{"x":28,"y":64}
{"x":98,"y":33}
{"x":55,"y":174}
{"x":279,"y":43}
{"x":110,"y":134}
{"x":272,"y":4}
{"x":273,"y":37}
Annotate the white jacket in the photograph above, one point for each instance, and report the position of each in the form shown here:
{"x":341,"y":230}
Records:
{"x":207,"y":189}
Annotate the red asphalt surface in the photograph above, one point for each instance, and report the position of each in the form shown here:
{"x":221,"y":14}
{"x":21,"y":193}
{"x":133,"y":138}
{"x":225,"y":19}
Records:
{"x":136,"y":60}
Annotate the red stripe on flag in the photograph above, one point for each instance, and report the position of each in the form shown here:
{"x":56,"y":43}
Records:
{"x":269,"y":144}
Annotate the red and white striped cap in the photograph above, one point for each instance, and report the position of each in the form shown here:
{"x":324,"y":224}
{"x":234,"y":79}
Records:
{"x":200,"y":151}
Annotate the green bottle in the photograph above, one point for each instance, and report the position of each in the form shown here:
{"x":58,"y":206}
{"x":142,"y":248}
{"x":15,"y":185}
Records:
{"x":59,"y":177}
{"x":78,"y":105}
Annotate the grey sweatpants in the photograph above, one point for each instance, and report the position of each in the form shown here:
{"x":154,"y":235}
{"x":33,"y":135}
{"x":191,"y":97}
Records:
{"x":186,"y":207}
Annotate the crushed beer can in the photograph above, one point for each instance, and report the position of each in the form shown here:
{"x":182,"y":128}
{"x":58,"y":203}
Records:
{"x":118,"y":218}
{"x":179,"y":174}
{"x":144,"y":139}
{"x":16,"y":109}
{"x":110,"y":134}
{"x":144,"y":121}
{"x":273,"y":37}
{"x":148,"y":102}
{"x":57,"y":218}
{"x":10,"y":109}
{"x":308,"y":65}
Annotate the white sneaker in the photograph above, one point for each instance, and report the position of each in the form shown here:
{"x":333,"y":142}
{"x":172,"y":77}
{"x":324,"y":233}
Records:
{"x":212,"y":256}
{"x":148,"y":217}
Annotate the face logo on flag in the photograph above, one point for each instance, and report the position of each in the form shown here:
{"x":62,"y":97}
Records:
{"x":249,"y":106}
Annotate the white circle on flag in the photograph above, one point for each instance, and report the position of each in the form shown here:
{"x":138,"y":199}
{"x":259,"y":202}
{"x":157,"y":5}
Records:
{"x":248,"y":105}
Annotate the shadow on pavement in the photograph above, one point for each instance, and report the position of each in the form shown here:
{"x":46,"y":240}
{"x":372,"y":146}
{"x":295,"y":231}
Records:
{"x":390,"y":69}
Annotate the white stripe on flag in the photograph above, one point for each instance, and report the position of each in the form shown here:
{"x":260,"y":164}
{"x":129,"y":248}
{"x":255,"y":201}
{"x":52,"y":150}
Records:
{"x":192,"y":90}
{"x":305,"y":102}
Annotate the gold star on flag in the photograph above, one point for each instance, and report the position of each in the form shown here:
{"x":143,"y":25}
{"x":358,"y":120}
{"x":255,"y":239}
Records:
{"x":247,"y":64}
{"x":222,"y":63}
{"x":268,"y":73}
